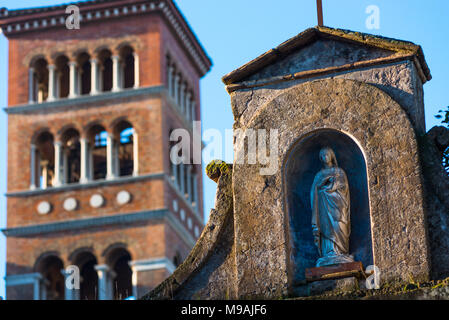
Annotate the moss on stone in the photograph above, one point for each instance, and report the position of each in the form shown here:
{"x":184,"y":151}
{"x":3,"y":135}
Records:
{"x":215,"y":168}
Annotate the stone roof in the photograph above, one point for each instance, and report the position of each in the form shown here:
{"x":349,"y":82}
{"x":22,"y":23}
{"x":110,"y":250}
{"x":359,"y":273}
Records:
{"x":399,"y":48}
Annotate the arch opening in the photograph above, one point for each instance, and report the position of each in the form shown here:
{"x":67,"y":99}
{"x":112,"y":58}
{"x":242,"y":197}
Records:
{"x":50,"y":268}
{"x":45,"y":164}
{"x":124,"y":148}
{"x":97,"y":154}
{"x":118,"y":260}
{"x":301,"y":166}
{"x":86,"y":263}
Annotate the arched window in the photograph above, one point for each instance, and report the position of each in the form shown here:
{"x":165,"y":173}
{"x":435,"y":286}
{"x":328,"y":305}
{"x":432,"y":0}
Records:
{"x":105,"y":74}
{"x":42,"y":161}
{"x":124,"y":148}
{"x":62,"y":77}
{"x":84,"y":74}
{"x":86,"y":263}
{"x":39,"y":81}
{"x":118,"y":261}
{"x":127,"y":77}
{"x":97,"y":157}
{"x":71,"y":156}
{"x":50,"y":268}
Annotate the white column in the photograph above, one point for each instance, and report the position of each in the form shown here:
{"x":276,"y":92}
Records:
{"x":116,"y":164}
{"x":115,"y":73}
{"x":136,"y":70}
{"x":105,"y":282}
{"x":176,"y":89}
{"x":79,"y":74}
{"x":72,"y":87}
{"x":65,"y":166}
{"x":33,"y":167}
{"x":195,"y":192}
{"x":189,"y":183}
{"x":37,"y":288}
{"x":182,"y":98}
{"x":69,"y":294}
{"x":188,"y":105}
{"x":193,"y":111}
{"x":84,"y":160}
{"x":134,"y":281}
{"x":182,"y":174}
{"x":93,"y":76}
{"x":31,"y":85}
{"x":110,"y":158}
{"x":58,"y":180}
{"x":44,"y":165}
{"x":170,"y":81}
{"x":51,"y":82}
{"x":135,"y":153}
{"x":90,"y":157}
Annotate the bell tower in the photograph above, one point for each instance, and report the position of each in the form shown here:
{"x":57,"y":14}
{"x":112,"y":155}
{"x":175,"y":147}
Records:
{"x":90,"y":183}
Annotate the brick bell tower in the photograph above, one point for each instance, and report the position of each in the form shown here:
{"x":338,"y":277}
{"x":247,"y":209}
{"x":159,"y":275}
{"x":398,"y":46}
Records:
{"x":90,"y":181}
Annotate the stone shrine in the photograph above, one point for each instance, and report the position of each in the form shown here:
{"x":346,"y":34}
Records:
{"x":361,"y":96}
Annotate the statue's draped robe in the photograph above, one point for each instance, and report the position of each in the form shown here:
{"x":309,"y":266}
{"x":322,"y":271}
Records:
{"x":330,"y":211}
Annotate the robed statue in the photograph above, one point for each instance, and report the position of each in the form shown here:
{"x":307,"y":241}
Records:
{"x":331,"y":221}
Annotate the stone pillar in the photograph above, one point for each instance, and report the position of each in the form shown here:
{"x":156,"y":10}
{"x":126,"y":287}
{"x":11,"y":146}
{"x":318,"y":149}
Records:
{"x":90,"y":157}
{"x":136,"y":70}
{"x":182,"y":98}
{"x":189,"y":183}
{"x":44,"y":166}
{"x":176,"y":89}
{"x":182,"y":177}
{"x":58,"y":180}
{"x":110,"y":175}
{"x":31,"y":85}
{"x":105,"y":282}
{"x":134,"y":281}
{"x":170,"y":81}
{"x":37,"y":288}
{"x":193,"y":111}
{"x":115,"y":73}
{"x":72,"y":87}
{"x":135,"y":153}
{"x":65,"y":165}
{"x":69,"y":294}
{"x":195,"y":203}
{"x":188,"y":105}
{"x":84,"y":160}
{"x":33,"y":167}
{"x":93,"y":76}
{"x":51,"y":82}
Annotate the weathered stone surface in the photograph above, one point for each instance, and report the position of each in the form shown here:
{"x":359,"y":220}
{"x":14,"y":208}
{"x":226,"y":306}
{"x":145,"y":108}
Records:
{"x":400,"y":80}
{"x":375,"y":117}
{"x":209,"y":270}
{"x":383,"y":131}
{"x":432,"y":146}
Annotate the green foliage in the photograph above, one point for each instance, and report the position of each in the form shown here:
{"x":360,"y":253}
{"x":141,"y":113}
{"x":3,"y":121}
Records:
{"x":444,"y":115}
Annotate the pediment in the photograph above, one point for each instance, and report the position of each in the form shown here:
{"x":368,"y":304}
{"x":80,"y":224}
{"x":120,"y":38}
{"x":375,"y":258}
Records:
{"x":323,"y":48}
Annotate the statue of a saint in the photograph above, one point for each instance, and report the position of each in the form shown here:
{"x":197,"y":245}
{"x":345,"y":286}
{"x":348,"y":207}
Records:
{"x":331,"y":221}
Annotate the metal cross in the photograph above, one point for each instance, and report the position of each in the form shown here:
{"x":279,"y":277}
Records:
{"x":319,"y":7}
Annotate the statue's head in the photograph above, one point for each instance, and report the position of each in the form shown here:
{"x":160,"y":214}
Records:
{"x":327,"y":157}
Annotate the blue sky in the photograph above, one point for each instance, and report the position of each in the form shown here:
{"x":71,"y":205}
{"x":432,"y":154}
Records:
{"x":236,"y":31}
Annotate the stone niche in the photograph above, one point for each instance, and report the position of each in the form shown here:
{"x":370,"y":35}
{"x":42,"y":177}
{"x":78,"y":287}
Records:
{"x":361,"y":95}
{"x":300,"y":168}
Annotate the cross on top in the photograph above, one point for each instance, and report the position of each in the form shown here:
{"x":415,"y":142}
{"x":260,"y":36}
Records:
{"x":319,"y":7}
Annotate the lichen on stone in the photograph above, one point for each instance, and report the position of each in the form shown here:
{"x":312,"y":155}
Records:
{"x":215,"y":168}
